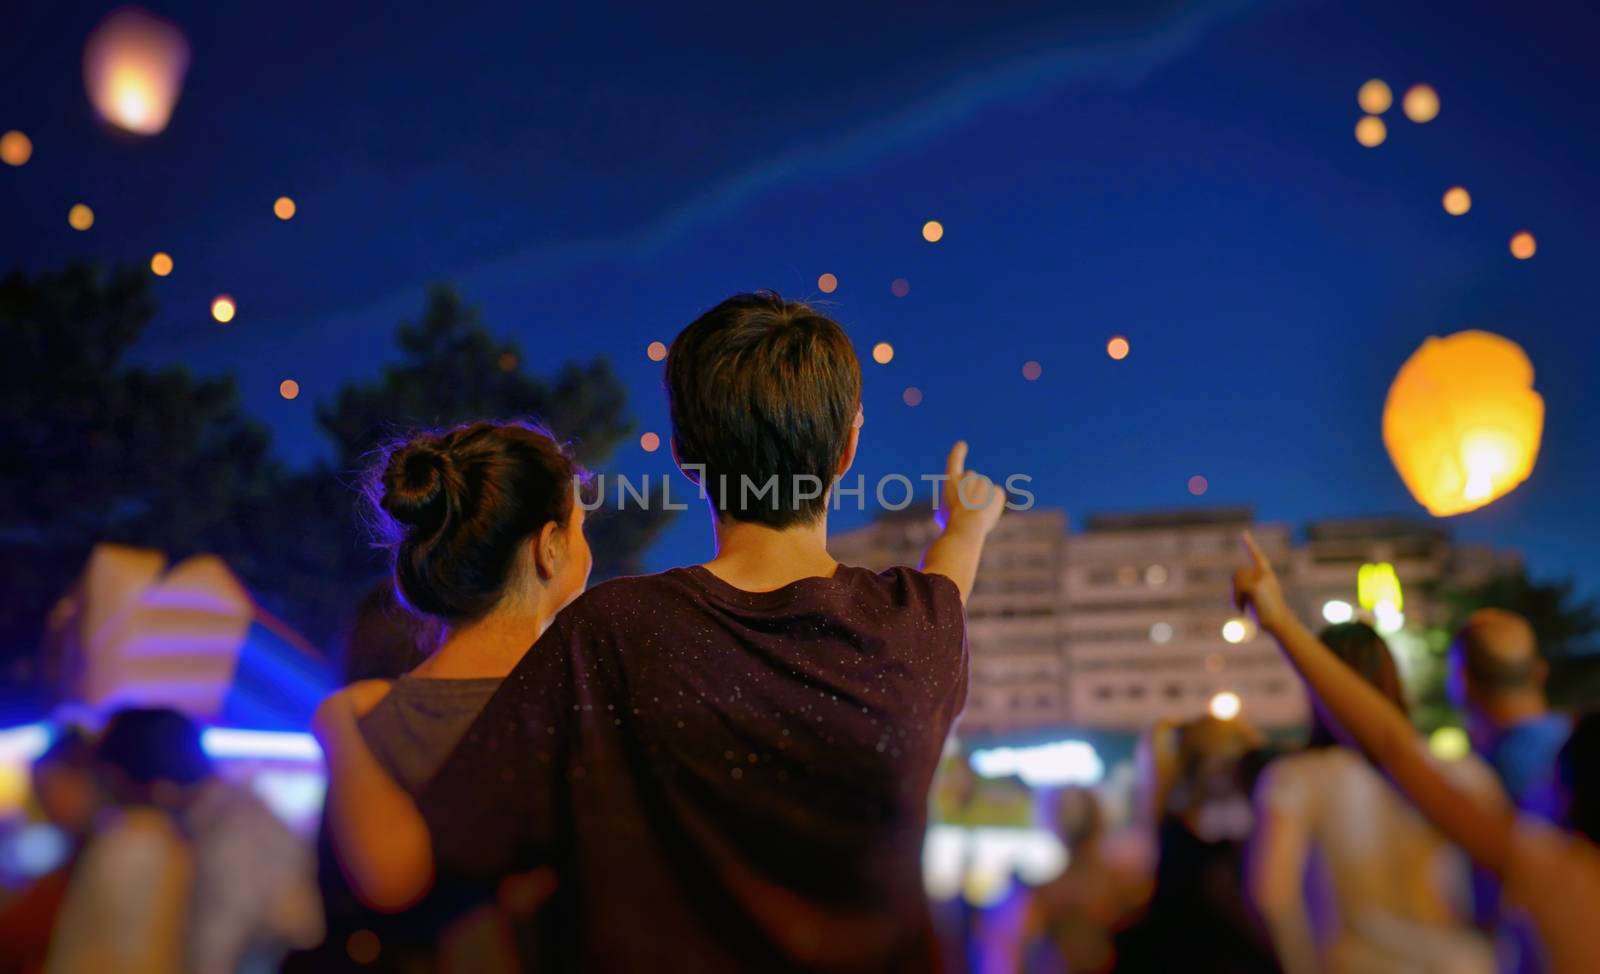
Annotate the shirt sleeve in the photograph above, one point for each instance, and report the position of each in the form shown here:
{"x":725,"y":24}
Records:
{"x":492,"y":808}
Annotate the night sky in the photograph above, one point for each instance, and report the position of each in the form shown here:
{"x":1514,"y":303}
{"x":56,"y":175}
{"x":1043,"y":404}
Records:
{"x":594,"y":176}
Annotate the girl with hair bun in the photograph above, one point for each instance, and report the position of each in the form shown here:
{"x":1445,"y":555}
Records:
{"x":486,"y":539}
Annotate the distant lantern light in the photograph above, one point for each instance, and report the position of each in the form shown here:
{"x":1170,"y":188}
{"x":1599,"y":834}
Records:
{"x":1374,"y":97}
{"x":1457,"y":201}
{"x":1118,"y":348}
{"x":288,"y":388}
{"x":1462,"y":422}
{"x":1421,"y":104}
{"x":1198,"y":485}
{"x":1226,"y":705}
{"x":161,"y":264}
{"x":1523,"y":245}
{"x":912,"y":396}
{"x":80,"y":217}
{"x":883,"y":353}
{"x":1161,"y":632}
{"x":827,"y":283}
{"x":508,"y":361}
{"x":1235,"y":631}
{"x":1449,"y":743}
{"x":900,"y":287}
{"x":933,"y":231}
{"x":223,"y":308}
{"x":1337,"y":611}
{"x":133,"y":68}
{"x":283,"y":208}
{"x":656,"y":351}
{"x":1371,"y":131}
{"x":1032,"y":370}
{"x":650,"y":442}
{"x":15,"y":148}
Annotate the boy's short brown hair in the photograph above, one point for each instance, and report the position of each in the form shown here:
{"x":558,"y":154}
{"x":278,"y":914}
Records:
{"x":763,"y":388}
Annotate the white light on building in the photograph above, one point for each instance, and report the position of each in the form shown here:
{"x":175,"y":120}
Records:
{"x":1388,"y":618}
{"x":1337,"y":611}
{"x":1235,"y":631}
{"x":1226,"y":705}
{"x":1161,"y":632}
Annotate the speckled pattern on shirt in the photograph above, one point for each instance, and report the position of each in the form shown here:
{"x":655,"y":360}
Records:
{"x":723,"y":780}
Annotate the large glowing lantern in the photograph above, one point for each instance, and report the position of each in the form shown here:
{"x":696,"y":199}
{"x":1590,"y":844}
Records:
{"x":133,"y":67}
{"x":1462,"y":422}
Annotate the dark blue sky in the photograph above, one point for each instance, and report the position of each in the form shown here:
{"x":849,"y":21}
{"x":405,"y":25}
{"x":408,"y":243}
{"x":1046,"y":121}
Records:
{"x":594,"y":176}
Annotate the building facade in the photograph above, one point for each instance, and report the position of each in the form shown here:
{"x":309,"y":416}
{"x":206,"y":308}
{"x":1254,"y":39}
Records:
{"x":1129,"y":619}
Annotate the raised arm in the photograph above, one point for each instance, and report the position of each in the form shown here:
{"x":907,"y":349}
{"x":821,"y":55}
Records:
{"x":1371,"y":721}
{"x":378,"y":835}
{"x":969,"y":507}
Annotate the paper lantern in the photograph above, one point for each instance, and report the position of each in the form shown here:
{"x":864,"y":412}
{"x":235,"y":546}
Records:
{"x":1462,"y":421}
{"x":133,"y":68}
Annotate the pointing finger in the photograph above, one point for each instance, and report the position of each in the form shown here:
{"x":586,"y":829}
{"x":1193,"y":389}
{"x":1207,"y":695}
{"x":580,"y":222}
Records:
{"x":1256,"y":554}
{"x":956,"y":463}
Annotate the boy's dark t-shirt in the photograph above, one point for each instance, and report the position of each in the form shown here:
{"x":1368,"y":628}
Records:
{"x":722,"y":780}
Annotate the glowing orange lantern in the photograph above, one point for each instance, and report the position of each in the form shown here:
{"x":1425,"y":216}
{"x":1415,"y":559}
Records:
{"x":133,"y":67}
{"x":1462,"y":421}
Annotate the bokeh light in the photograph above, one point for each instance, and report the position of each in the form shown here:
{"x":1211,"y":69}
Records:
{"x":283,"y":208}
{"x":1118,"y":348}
{"x":1371,"y":131}
{"x":1336,"y":611}
{"x":288,"y":388}
{"x":133,"y":68}
{"x":900,"y":287}
{"x":363,"y":946}
{"x":223,"y":308}
{"x":1032,"y":370}
{"x":912,"y":396}
{"x":15,"y":148}
{"x":80,"y":217}
{"x":1161,"y":632}
{"x":656,"y":351}
{"x":1523,"y":245}
{"x":1457,"y":201}
{"x":1374,"y":97}
{"x":508,"y":361}
{"x":933,"y":231}
{"x":161,"y":264}
{"x":1236,"y":630}
{"x":1421,"y":104}
{"x":883,"y":353}
{"x":650,"y":442}
{"x":827,"y":283}
{"x":1449,"y":743}
{"x":1198,"y":485}
{"x":1226,"y":705}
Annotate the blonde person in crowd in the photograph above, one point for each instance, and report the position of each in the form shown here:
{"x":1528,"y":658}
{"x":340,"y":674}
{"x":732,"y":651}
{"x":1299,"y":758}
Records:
{"x":1346,"y":872}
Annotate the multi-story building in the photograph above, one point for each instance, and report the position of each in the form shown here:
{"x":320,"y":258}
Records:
{"x":1150,"y":629}
{"x":1129,"y":619}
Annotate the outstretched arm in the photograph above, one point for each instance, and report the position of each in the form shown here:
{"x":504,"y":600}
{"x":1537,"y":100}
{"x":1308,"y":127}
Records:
{"x":378,"y":834}
{"x":969,"y":508}
{"x":1372,"y":721}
